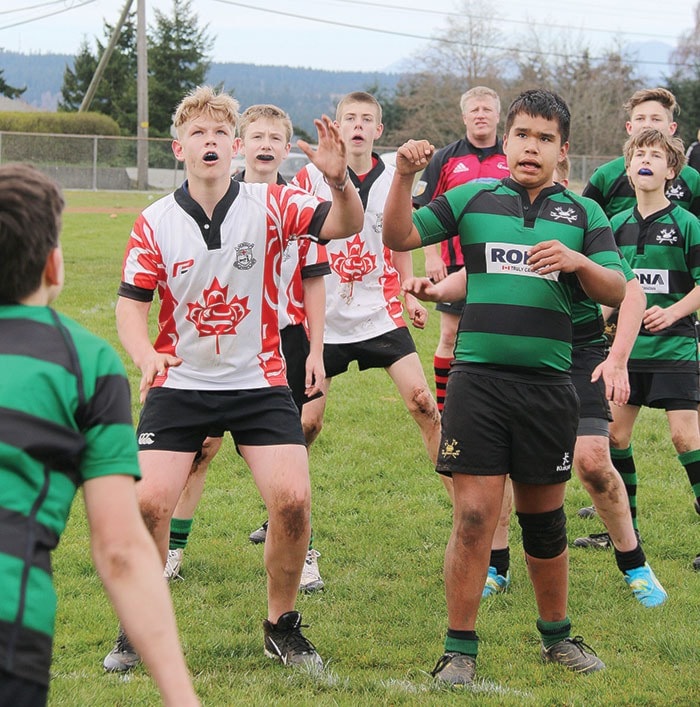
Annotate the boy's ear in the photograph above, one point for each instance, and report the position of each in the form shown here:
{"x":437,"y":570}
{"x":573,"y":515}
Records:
{"x":672,"y":127}
{"x":177,"y":150}
{"x":380,"y":130}
{"x":53,"y":270}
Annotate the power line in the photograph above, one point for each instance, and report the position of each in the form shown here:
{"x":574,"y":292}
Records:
{"x":506,"y":20}
{"x":50,"y":14}
{"x":33,"y":7}
{"x":411,"y":35}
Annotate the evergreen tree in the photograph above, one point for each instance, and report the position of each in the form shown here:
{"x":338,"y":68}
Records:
{"x":177,"y":61}
{"x":7,"y":90}
{"x":77,"y":79}
{"x":116,"y":93}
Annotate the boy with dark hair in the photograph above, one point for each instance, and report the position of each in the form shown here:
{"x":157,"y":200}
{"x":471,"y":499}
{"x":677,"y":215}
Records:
{"x":661,"y":242}
{"x":598,"y":377}
{"x":510,"y":406}
{"x":65,"y":422}
{"x":213,"y":249}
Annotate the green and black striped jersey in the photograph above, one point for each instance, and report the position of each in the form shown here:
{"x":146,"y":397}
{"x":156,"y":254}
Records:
{"x":587,"y":316}
{"x":513,"y":317}
{"x":611,"y":188}
{"x":664,"y":252}
{"x":65,"y":417}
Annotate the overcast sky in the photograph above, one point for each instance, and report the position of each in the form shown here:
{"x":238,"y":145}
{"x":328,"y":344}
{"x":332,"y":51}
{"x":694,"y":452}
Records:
{"x":339,"y":34}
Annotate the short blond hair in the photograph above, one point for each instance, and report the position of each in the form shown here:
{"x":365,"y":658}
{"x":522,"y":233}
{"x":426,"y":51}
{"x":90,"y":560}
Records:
{"x":205,"y":101}
{"x":265,"y":110}
{"x":479,"y":92}
{"x":660,"y":95}
{"x":651,"y":137}
{"x":358,"y":97}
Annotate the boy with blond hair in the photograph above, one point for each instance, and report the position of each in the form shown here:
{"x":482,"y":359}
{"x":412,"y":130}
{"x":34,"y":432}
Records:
{"x":661,"y":243}
{"x":212,"y":249}
{"x":265,"y":133}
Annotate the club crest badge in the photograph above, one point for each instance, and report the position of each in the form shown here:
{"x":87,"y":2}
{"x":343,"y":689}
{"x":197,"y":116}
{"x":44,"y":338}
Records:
{"x":244,"y":257}
{"x":450,"y":448}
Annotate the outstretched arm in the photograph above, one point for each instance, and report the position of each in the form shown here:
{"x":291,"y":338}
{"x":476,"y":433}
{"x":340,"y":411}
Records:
{"x":346,"y":216}
{"x":398,"y":231}
{"x":452,"y":288}
{"x":417,"y":313}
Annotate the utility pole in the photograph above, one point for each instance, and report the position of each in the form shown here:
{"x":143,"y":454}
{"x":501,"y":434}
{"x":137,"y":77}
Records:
{"x":104,"y":59}
{"x":141,"y":97}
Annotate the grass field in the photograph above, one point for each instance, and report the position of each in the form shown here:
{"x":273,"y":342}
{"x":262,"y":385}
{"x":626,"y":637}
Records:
{"x":381,"y":520}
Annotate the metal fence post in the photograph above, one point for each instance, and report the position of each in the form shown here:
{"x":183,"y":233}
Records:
{"x":94,"y":163}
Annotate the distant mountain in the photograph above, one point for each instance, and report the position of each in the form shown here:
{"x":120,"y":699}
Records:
{"x":304,"y":93}
{"x":653,"y":59}
{"x":42,"y":74}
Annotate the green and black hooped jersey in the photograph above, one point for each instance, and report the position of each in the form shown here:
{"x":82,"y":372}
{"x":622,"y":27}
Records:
{"x":65,"y":417}
{"x":664,"y":252}
{"x":611,"y":188}
{"x":515,"y":318}
{"x":587,"y":316}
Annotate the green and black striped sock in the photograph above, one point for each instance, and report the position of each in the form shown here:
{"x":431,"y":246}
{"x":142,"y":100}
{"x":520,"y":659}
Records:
{"x":180,"y":529}
{"x":623,"y":461}
{"x":691,"y":462}
{"x":553,"y":631}
{"x":466,"y":642}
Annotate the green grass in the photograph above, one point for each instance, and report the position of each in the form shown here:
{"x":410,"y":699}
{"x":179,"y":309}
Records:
{"x":381,"y":521}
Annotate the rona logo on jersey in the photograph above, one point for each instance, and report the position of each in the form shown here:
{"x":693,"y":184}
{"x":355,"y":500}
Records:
{"x":511,"y":259}
{"x":146,"y":438}
{"x":653,"y":281}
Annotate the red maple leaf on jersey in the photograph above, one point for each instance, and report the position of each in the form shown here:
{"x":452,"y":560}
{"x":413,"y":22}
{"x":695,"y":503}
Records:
{"x":217,"y":317}
{"x":352,"y":265}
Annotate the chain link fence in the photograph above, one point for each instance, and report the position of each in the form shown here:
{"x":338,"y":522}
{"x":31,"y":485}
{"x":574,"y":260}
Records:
{"x":109,"y":163}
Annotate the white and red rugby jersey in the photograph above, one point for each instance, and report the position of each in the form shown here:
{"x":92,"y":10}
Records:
{"x":302,"y":258}
{"x":362,"y":291}
{"x":218,"y":281}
